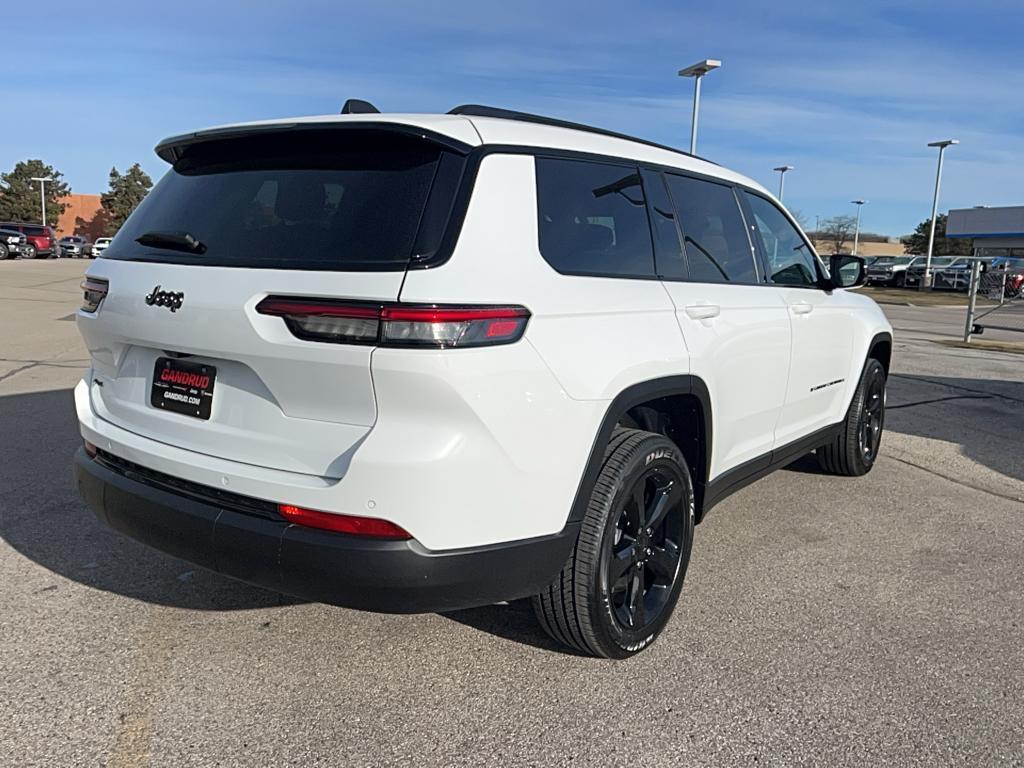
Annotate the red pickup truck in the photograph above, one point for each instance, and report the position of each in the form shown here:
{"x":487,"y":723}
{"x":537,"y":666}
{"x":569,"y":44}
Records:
{"x":42,"y":239}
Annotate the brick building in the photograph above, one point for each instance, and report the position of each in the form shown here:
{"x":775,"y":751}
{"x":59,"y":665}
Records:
{"x":82,"y":215}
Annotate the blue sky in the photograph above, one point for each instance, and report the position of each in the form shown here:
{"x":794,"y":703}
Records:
{"x":848,"y":93}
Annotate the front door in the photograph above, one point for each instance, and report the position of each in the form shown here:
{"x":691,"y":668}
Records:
{"x":822,"y":327}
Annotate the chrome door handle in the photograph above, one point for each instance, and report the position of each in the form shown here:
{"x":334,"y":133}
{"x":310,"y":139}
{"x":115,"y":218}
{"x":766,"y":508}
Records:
{"x":703,"y":311}
{"x":803,"y":308}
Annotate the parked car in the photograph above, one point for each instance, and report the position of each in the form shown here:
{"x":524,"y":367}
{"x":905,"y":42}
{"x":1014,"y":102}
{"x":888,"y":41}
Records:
{"x":956,"y":276}
{"x":13,"y":245}
{"x":99,"y":246}
{"x":477,"y":379}
{"x":890,"y":270}
{"x":1010,"y":273}
{"x":913,"y":275}
{"x":75,"y":246}
{"x":42,"y":240}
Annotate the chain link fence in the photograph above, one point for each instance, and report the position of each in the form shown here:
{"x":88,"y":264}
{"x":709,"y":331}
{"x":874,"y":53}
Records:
{"x":995,"y":297}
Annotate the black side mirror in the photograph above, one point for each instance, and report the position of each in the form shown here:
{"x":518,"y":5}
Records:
{"x":846,"y":271}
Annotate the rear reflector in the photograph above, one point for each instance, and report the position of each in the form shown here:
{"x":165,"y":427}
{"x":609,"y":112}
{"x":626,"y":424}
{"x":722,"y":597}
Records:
{"x":398,"y":325}
{"x":328,"y":521}
{"x":94,"y":290}
{"x":90,"y":450}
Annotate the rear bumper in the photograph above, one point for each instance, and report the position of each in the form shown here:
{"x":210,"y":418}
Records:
{"x":375,"y":575}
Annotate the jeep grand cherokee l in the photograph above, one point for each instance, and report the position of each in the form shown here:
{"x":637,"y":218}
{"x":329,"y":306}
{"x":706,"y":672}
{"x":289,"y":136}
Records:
{"x":426,"y":362}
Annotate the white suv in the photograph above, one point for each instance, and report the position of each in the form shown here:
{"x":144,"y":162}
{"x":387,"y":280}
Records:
{"x":425,"y":362}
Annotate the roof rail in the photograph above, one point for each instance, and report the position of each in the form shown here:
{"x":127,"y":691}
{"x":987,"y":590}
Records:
{"x":478,"y":110}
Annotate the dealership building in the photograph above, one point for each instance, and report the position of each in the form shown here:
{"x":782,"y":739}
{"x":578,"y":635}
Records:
{"x":995,"y":231}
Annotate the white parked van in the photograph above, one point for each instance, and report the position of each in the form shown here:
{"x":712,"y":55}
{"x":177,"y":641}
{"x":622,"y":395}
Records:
{"x":426,"y":362}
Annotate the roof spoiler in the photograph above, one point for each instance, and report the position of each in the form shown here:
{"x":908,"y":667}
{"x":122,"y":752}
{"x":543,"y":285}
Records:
{"x":171,"y":149}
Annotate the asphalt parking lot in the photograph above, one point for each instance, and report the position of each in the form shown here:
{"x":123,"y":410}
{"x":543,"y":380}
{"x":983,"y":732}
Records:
{"x":824,"y":621}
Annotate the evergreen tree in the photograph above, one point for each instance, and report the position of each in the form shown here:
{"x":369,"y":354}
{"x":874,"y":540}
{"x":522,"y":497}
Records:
{"x":125,"y":193}
{"x":19,"y":195}
{"x":944,"y":246}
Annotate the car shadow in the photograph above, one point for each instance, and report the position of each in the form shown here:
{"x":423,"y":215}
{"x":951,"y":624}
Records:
{"x":43,"y":519}
{"x":806,"y":464}
{"x":511,"y":621}
{"x":984,"y":417}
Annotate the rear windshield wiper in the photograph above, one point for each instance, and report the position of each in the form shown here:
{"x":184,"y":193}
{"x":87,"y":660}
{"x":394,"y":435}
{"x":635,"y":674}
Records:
{"x":175,"y":241}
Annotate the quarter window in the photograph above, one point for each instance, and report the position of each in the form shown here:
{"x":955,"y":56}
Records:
{"x":789,"y":257}
{"x":592,"y":219}
{"x":717,"y":247}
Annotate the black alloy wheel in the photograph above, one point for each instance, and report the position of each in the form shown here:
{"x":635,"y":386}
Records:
{"x":872,"y":416}
{"x":854,"y":449}
{"x":617,"y":590}
{"x":643,"y":551}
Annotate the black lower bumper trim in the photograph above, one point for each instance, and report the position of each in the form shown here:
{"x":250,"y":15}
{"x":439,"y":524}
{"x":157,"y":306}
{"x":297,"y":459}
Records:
{"x":369,"y":574}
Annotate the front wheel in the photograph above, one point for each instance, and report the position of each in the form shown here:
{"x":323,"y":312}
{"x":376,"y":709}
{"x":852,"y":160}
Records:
{"x":853,"y":451}
{"x":618,"y":589}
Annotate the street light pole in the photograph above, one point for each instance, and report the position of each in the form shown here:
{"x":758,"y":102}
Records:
{"x":926,"y":279}
{"x":856,"y":231}
{"x":697,"y":71}
{"x":42,"y":193}
{"x":782,"y":177}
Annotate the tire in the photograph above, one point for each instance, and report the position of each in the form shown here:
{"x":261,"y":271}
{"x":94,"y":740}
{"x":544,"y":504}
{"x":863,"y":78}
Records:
{"x":5,"y":252}
{"x":588,"y":607}
{"x":901,"y":280}
{"x":32,"y":252}
{"x":854,"y":450}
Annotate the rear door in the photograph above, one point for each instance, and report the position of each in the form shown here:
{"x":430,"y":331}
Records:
{"x":736,"y":329}
{"x":312,"y":214}
{"x":823,"y":327}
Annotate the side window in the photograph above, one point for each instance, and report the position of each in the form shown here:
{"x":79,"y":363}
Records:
{"x":668,"y":252}
{"x":592,"y":219}
{"x":717,"y":247}
{"x":789,"y":257}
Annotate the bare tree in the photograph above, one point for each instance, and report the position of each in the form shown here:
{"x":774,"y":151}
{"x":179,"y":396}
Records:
{"x":838,"y":231}
{"x":801,"y":219}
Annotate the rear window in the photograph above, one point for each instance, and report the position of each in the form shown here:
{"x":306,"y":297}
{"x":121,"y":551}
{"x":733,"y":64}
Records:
{"x":592,"y":219}
{"x":324,"y":200}
{"x":717,"y":247}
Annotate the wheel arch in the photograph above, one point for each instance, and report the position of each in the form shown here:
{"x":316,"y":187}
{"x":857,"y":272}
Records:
{"x":678,"y":407}
{"x":880,"y":349}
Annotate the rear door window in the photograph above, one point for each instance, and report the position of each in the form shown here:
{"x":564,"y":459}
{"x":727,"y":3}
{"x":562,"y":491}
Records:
{"x":318,"y":199}
{"x":592,"y":219}
{"x":714,"y":233}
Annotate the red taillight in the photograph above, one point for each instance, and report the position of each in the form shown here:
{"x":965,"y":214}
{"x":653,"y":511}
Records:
{"x":351,"y":524}
{"x":94,"y":290}
{"x":398,"y":325}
